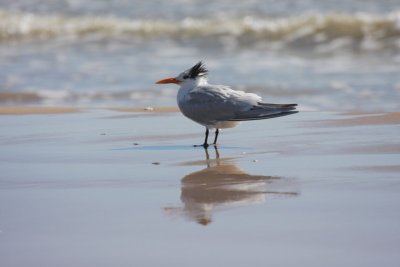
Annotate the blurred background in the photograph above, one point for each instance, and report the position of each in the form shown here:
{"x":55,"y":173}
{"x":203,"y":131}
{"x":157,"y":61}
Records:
{"x":339,"y":55}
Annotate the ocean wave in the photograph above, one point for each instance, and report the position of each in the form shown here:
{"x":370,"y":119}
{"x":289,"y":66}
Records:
{"x":377,"y":30}
{"x":71,"y":97}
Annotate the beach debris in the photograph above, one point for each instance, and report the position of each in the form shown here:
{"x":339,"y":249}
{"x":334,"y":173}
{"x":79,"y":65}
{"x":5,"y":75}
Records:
{"x":155,"y":163}
{"x":255,"y":160}
{"x":149,"y":108}
{"x":135,"y":144}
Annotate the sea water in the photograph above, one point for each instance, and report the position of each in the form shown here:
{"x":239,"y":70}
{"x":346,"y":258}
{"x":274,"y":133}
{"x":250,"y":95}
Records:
{"x":324,"y":55}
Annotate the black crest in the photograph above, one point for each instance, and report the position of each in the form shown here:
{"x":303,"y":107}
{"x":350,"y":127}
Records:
{"x":198,"y":70}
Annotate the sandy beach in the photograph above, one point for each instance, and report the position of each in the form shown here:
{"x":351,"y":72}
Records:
{"x":98,"y":166}
{"x":125,"y":187}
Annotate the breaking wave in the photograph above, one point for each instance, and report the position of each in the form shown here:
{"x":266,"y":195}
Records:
{"x":379,"y":30}
{"x":56,"y":97}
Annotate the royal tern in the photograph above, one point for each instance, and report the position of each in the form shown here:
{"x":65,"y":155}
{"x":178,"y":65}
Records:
{"x":219,"y":106}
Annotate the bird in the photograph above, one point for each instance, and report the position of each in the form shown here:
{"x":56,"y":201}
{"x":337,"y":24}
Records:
{"x":219,"y":106}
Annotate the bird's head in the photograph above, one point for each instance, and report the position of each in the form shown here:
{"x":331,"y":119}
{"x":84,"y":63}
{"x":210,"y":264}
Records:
{"x":195,"y":74}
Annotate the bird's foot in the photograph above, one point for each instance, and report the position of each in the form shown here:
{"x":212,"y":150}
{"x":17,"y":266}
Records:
{"x":203,"y":145}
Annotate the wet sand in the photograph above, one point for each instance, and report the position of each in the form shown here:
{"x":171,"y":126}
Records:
{"x":18,"y":110}
{"x":113,"y":187}
{"x":366,"y":119}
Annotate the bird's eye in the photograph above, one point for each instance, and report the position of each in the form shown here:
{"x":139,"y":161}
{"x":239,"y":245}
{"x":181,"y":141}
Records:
{"x":185,"y":76}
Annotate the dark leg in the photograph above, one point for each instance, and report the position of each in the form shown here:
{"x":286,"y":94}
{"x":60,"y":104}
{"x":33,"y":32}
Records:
{"x":205,"y":145}
{"x":216,"y":136}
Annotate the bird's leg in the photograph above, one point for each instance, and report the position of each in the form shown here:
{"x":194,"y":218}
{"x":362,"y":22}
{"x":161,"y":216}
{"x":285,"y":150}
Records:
{"x":205,"y":145}
{"x":216,"y":136}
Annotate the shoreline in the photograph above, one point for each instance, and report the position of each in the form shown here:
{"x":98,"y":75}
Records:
{"x":33,"y":110}
{"x":346,"y":118}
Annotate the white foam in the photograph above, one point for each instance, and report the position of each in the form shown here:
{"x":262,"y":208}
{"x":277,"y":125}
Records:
{"x":336,"y":29}
{"x":54,"y":94}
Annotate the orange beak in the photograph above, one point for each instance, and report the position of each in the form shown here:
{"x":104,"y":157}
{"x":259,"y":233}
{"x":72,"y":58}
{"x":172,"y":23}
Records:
{"x":168,"y":80}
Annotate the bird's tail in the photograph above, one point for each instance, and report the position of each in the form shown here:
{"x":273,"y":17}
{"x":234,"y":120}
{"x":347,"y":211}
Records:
{"x":263,"y":111}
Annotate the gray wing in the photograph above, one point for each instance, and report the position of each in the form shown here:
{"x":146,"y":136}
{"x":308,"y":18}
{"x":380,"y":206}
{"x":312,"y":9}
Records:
{"x":262,"y":111}
{"x":213,"y":103}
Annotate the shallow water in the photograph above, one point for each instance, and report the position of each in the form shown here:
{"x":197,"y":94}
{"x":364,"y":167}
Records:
{"x":325,"y":55}
{"x":96,"y":188}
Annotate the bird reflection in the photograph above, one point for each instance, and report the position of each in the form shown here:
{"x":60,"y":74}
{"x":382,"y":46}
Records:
{"x":221,"y":185}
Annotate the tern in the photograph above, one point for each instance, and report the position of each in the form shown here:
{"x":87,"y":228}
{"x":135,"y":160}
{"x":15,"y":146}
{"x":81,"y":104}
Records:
{"x":219,"y":106}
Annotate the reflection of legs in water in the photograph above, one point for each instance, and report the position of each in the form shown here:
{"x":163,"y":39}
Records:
{"x":223,"y":184}
{"x":216,"y":152}
{"x":208,"y":156}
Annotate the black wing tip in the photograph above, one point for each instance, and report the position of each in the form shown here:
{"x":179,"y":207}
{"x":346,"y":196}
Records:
{"x":198,"y":70}
{"x":284,"y":113}
{"x":282,"y":107}
{"x":277,"y":105}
